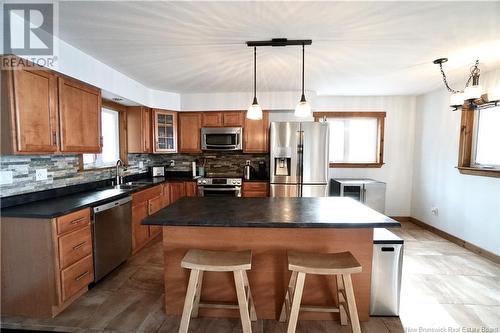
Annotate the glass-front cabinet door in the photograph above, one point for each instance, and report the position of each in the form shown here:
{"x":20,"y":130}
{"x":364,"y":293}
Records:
{"x":165,"y":131}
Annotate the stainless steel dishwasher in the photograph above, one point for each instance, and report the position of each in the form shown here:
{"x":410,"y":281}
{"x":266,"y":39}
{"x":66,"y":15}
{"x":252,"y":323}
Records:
{"x":112,"y":229}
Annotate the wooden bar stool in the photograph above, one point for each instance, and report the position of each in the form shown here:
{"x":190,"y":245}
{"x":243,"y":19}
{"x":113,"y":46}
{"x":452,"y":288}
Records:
{"x":199,"y":261}
{"x":342,"y":265}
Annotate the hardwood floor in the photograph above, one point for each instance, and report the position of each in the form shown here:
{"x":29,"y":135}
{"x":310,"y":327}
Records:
{"x":444,"y":285}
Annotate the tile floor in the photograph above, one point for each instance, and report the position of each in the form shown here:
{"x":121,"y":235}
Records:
{"x":445,"y":289}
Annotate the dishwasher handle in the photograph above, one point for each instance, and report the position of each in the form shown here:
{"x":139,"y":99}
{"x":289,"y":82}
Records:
{"x":112,"y":204}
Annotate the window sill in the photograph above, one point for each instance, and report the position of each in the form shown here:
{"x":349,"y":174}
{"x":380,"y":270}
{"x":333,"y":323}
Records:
{"x":356,"y":165}
{"x":479,"y":172}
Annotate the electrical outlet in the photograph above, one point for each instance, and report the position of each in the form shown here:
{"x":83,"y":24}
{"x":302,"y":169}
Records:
{"x":434,"y":211}
{"x":141,"y":165}
{"x":5,"y":177}
{"x":41,"y":174}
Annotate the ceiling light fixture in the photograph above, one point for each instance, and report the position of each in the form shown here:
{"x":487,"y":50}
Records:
{"x":303,"y":108}
{"x":471,"y":97}
{"x":254,"y":111}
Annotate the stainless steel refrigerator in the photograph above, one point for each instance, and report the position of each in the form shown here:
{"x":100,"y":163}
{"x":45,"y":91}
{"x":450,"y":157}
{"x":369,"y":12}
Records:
{"x":299,"y":159}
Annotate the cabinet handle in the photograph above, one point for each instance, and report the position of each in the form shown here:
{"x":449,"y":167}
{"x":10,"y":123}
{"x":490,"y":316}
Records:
{"x":76,"y":247}
{"x":81,"y":276}
{"x":101,"y":142}
{"x":54,"y":138}
{"x":78,"y":220}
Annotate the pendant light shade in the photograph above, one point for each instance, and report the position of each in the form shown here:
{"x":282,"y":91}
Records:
{"x":254,"y":111}
{"x":303,"y":108}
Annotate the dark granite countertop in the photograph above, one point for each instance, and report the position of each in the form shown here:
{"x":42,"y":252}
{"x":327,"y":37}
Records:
{"x":326,"y":212}
{"x":65,"y":204}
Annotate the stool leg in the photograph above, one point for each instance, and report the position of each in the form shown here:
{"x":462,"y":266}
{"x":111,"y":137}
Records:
{"x":342,"y":300}
{"x":351,"y":304}
{"x":242,"y":301}
{"x":253,"y":314}
{"x":197,"y":296}
{"x":297,"y":297}
{"x":288,"y":297}
{"x":188,"y":302}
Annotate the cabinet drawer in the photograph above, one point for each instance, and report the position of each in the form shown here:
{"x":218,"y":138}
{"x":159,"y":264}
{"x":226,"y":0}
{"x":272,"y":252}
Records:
{"x":73,"y":221}
{"x":255,"y":194}
{"x":255,"y":186}
{"x":76,"y":277}
{"x":146,"y":195}
{"x":74,"y":246}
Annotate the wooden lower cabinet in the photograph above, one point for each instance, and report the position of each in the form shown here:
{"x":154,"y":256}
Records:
{"x":155,"y":205}
{"x":144,"y":203}
{"x":255,"y":189}
{"x":151,"y":200}
{"x":140,"y":233}
{"x":45,"y":263}
{"x":191,"y":189}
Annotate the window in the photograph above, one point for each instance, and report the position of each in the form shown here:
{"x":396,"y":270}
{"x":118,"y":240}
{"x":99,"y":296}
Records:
{"x":487,"y":139}
{"x":110,"y":126}
{"x":479,"y":141}
{"x":356,"y":138}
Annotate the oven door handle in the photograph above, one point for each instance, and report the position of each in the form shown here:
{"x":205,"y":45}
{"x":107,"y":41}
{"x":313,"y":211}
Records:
{"x":220,"y":189}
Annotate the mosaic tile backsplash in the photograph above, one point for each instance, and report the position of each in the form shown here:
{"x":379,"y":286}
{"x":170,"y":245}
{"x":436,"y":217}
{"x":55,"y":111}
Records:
{"x":63,"y":170}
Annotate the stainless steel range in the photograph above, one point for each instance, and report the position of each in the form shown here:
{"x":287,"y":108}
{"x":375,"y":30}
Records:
{"x":219,"y":187}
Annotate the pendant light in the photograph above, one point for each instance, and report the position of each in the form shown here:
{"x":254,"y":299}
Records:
{"x":303,"y":108}
{"x":254,"y":111}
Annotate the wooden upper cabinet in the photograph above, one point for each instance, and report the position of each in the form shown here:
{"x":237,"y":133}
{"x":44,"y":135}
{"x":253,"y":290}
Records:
{"x":232,"y":119}
{"x":189,"y":132}
{"x":222,"y":119}
{"x":79,"y":117}
{"x":256,"y":135}
{"x":139,"y":129}
{"x":211,"y":119}
{"x":29,"y":111}
{"x":164,"y":131}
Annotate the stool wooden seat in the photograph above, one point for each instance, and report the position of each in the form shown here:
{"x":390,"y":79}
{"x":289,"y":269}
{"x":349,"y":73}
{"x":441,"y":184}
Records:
{"x":342,"y":265}
{"x":199,"y":261}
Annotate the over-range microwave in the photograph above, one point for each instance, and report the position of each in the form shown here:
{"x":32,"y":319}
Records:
{"x":221,"y":138}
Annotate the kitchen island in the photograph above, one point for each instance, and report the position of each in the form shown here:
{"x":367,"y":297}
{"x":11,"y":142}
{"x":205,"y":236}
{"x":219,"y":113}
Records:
{"x":269,"y":227}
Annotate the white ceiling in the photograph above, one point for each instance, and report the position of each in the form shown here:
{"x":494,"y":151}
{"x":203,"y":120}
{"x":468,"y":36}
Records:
{"x":359,"y":48}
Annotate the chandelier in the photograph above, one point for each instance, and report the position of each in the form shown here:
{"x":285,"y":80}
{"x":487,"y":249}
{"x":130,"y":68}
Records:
{"x":472,"y":97}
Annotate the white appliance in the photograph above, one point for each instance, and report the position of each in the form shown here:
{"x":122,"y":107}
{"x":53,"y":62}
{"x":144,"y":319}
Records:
{"x":299,"y":159}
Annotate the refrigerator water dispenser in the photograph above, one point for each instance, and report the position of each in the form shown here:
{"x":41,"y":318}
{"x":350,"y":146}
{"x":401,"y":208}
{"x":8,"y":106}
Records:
{"x":282,"y":166}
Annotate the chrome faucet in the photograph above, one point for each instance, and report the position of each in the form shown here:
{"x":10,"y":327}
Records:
{"x":119,"y":178}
